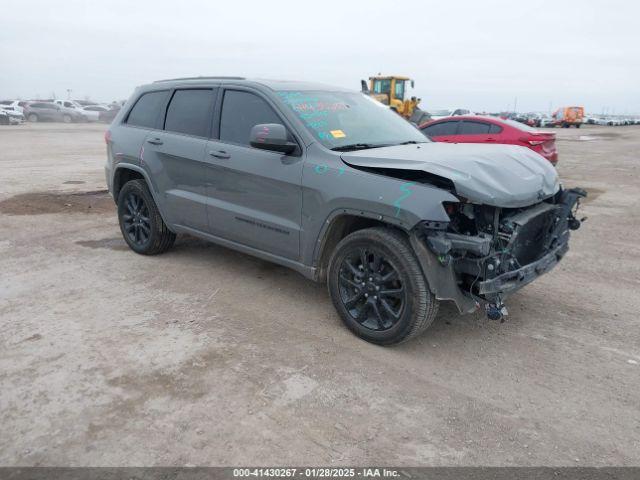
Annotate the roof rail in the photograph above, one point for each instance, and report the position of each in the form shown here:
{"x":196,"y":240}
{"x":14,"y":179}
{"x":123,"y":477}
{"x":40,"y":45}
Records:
{"x":199,"y":78}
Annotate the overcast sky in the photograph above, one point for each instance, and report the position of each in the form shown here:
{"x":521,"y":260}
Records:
{"x":475,"y":54}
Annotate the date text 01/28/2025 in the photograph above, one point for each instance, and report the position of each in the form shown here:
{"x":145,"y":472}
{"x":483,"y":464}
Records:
{"x":315,"y":472}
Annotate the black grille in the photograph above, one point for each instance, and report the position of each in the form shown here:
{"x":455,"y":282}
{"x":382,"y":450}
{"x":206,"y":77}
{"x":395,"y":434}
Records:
{"x":531,"y":239}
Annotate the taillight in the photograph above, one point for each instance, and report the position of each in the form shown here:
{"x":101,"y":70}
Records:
{"x":107,"y":136}
{"x":533,"y":143}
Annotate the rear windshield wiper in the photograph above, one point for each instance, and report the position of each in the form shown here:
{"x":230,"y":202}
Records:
{"x":356,"y":146}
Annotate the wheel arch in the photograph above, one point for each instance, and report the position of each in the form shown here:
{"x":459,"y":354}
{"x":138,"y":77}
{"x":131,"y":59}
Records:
{"x":125,"y":172}
{"x":338,"y":226}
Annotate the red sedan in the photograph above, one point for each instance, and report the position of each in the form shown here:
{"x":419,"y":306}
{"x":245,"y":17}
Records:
{"x":481,"y":129}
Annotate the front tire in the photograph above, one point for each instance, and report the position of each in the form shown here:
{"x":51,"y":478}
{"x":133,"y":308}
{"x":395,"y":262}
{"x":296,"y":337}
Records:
{"x":140,"y":221}
{"x":378,"y":288}
{"x":32,"y":117}
{"x":67,"y":118}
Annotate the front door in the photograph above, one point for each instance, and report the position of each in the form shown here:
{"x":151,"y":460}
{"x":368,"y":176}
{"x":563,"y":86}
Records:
{"x":255,"y":196}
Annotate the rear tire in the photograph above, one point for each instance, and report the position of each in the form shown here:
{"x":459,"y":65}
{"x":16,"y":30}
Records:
{"x":67,"y":118}
{"x":140,"y":221}
{"x":32,"y":117}
{"x":378,"y":288}
{"x":577,"y":125}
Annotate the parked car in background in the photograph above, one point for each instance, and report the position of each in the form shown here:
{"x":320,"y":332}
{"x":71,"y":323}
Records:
{"x":68,"y":104}
{"x":110,"y":114}
{"x":85,"y":103}
{"x":10,"y":116}
{"x":437,"y":114}
{"x":92,"y":112}
{"x":14,"y":105}
{"x":546,"y":121}
{"x":5,"y":119}
{"x":481,"y":129}
{"x":50,"y":112}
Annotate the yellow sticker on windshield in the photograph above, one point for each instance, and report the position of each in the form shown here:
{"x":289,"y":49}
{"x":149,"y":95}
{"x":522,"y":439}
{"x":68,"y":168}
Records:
{"x":337,"y":133}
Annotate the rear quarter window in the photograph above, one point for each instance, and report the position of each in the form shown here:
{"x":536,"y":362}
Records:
{"x":146,"y":111}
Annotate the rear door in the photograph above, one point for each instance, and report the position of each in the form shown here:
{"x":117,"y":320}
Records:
{"x":474,"y":131}
{"x":255,"y":196}
{"x":442,"y":131}
{"x":175,"y":154}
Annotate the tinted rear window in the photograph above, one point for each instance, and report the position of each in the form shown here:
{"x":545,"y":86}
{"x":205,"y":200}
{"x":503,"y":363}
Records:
{"x":146,"y":110}
{"x":440,"y":129}
{"x":520,"y":126}
{"x":189,"y":112}
{"x":241,"y":111}
{"x":474,"y":128}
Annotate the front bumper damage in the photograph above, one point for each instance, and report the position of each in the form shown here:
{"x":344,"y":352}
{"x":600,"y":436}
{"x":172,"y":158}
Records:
{"x":509,"y":250}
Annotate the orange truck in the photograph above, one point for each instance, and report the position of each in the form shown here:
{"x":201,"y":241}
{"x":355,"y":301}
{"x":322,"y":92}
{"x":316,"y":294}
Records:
{"x":566,"y":116}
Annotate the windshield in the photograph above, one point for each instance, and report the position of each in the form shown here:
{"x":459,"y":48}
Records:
{"x":340,"y":119}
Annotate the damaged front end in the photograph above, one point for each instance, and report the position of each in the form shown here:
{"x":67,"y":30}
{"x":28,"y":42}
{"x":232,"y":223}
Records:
{"x":484,"y":253}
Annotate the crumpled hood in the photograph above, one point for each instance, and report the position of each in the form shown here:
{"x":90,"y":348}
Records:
{"x":498,"y":175}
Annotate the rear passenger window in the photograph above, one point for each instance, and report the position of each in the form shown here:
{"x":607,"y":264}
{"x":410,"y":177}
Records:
{"x":495,"y":128}
{"x":241,"y":111}
{"x":441,"y":129}
{"x":189,"y":112}
{"x":146,"y":110}
{"x":474,"y":128}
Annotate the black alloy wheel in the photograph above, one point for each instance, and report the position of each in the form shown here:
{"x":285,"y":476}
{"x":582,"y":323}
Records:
{"x":136,"y":222}
{"x":140,"y":221}
{"x":378,"y":288}
{"x":371,"y":289}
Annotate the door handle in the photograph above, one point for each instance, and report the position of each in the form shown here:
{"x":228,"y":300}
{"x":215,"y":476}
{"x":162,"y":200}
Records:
{"x":220,"y":154}
{"x":154,"y":141}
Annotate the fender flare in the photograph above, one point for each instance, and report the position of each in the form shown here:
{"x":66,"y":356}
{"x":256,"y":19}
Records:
{"x":147,"y":179}
{"x":339,"y":212}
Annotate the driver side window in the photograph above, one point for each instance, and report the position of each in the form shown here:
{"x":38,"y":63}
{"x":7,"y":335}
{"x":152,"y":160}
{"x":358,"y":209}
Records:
{"x":241,"y":111}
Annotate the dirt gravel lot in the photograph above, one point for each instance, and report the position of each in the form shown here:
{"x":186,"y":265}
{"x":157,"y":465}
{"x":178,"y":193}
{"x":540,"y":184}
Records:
{"x":204,"y":356}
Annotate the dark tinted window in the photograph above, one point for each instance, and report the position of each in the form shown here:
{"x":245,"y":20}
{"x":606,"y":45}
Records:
{"x":145,"y":112}
{"x":439,"y":129}
{"x":241,"y":111}
{"x":473,"y":128}
{"x":495,"y":128}
{"x":189,"y":112}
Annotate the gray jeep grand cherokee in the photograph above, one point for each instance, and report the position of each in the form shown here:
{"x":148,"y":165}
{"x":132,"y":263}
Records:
{"x":336,"y":186}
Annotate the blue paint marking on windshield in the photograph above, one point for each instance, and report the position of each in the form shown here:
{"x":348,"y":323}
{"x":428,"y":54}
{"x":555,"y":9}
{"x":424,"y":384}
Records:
{"x":407,"y":193}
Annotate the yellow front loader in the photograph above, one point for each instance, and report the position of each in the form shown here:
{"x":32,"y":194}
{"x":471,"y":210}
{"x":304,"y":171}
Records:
{"x":391,"y":90}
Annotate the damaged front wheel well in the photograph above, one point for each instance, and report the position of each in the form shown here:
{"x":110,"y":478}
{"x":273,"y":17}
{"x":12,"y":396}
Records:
{"x":340,"y":227}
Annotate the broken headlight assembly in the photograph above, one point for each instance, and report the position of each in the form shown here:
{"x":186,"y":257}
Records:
{"x":495,"y":251}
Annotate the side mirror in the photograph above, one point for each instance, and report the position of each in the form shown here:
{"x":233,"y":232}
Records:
{"x":271,"y":136}
{"x":413,"y":84}
{"x":364,"y":86}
